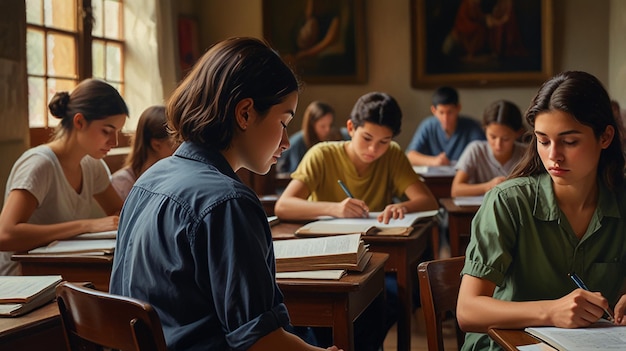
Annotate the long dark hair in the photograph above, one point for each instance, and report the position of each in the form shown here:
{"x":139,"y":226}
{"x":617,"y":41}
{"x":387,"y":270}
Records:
{"x":202,"y":108}
{"x":581,"y":95}
{"x":152,"y":124}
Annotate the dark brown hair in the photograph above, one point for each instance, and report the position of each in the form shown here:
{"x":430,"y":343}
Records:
{"x":581,"y":95}
{"x":505,"y":113}
{"x":378,"y":108}
{"x":202,"y":108}
{"x":94,"y":99}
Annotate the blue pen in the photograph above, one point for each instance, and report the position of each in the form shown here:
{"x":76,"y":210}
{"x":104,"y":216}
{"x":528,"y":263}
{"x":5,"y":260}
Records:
{"x":345,"y":189}
{"x":579,"y":283}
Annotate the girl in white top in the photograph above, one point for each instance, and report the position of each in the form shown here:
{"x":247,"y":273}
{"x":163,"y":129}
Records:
{"x":485,"y":164}
{"x":51,"y":189}
{"x":151,"y":143}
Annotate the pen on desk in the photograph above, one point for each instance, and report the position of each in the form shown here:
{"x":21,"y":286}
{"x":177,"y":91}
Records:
{"x":345,"y":189}
{"x":579,"y":283}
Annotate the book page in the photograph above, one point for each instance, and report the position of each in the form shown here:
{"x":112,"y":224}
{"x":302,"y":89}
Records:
{"x":321,"y":274}
{"x":599,"y":336}
{"x":22,"y":288}
{"x":331,"y":245}
{"x":361,"y":225}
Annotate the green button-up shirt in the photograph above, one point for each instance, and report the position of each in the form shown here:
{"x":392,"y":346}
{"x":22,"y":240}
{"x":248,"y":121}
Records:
{"x":522,"y":242}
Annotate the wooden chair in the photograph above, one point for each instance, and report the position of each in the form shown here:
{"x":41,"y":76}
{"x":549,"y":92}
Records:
{"x":93,"y":319}
{"x":439,"y":288}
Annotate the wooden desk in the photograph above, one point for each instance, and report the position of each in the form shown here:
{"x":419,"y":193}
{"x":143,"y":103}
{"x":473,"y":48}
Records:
{"x":310,"y":302}
{"x":404,"y":252}
{"x":459,"y":225}
{"x":335,"y":303}
{"x":437,"y":178}
{"x":95,"y":269}
{"x":37,"y":330}
{"x":509,"y":339}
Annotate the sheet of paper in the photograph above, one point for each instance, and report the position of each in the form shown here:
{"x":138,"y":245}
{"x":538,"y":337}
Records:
{"x":76,"y":246}
{"x":111,"y":234}
{"x":468,"y":200}
{"x":600,"y":336}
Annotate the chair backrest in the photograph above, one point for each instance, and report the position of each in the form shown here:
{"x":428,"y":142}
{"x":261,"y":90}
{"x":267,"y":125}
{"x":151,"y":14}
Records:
{"x":94,"y":319}
{"x":439,"y":288}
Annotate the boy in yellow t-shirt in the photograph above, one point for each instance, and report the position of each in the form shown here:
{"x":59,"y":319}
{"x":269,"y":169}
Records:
{"x":374,"y":170}
{"x":371,"y":165}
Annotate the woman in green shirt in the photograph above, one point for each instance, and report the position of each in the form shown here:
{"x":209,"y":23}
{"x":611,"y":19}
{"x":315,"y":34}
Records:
{"x":561,"y":212}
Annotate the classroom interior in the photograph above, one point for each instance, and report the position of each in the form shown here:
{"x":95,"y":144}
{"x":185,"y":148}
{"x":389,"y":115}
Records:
{"x":587,"y":35}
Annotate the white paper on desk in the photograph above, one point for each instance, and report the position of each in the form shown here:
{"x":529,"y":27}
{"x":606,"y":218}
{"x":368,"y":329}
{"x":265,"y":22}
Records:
{"x":26,"y":286}
{"x":599,"y":336}
{"x":408,"y":220}
{"x":536,"y":347}
{"x":434,"y":171}
{"x":97,"y":246}
{"x":111,"y":234}
{"x":330,"y":245}
{"x":468,"y":200}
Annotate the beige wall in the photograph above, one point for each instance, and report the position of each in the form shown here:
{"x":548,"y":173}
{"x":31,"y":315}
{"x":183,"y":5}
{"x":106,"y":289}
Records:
{"x":13,"y":87}
{"x":581,"y":41}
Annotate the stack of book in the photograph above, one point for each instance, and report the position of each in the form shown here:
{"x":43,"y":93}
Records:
{"x":327,"y":257}
{"x":22,"y":294}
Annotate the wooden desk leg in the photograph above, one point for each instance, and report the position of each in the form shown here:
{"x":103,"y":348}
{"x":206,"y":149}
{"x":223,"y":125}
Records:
{"x":405,"y":297}
{"x":454,"y":235}
{"x":343,"y":330}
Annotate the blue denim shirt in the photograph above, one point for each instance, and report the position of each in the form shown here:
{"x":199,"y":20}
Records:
{"x":430,"y":138}
{"x":194,"y":242}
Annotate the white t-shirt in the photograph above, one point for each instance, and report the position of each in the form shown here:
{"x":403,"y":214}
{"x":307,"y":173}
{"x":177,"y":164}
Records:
{"x":39,"y":172}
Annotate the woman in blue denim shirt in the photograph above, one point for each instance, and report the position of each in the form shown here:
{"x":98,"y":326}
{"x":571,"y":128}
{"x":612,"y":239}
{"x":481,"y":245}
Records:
{"x":193,"y":240}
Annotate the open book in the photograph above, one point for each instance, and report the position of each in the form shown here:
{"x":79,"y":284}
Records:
{"x":364,"y":226}
{"x":79,"y":246}
{"x":111,"y":234}
{"x":602,"y":335}
{"x":21,"y":294}
{"x":332,"y":252}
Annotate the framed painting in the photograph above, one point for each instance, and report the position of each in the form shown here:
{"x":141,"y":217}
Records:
{"x":323,"y":40}
{"x":481,"y":42}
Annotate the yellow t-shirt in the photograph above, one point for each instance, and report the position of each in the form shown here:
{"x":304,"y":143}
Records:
{"x":327,"y":162}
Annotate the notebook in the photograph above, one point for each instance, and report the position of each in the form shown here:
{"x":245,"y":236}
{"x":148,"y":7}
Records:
{"x":602,"y":335}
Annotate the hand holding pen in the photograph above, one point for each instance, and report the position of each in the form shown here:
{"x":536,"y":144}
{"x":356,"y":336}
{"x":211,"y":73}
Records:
{"x":579,"y":283}
{"x":352,"y":207}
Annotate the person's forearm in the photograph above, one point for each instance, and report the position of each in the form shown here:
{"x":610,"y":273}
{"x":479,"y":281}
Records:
{"x":26,"y":236}
{"x":425,"y":203}
{"x":466,"y":189}
{"x":293,"y":208}
{"x":479,"y":314}
{"x":419,"y":159}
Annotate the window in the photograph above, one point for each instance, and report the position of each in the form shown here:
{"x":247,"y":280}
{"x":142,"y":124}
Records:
{"x":68,"y":41}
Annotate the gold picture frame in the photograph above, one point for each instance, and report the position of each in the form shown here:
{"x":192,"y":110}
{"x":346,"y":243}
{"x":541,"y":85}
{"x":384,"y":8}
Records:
{"x":458,"y":43}
{"x":323,"y":40}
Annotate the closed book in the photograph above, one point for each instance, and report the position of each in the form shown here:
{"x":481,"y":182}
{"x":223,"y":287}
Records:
{"x":365,"y":226}
{"x":21,"y":294}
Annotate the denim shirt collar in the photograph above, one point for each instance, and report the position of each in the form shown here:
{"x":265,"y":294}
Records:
{"x":547,"y":209}
{"x":207,"y":155}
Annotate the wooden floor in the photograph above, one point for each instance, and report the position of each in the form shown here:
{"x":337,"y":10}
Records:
{"x":418,"y":335}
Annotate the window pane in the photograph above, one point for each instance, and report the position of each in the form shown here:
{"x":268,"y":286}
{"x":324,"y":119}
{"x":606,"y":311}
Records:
{"x":61,"y":56}
{"x":113,"y":61}
{"x":98,"y":16}
{"x":60,"y":14}
{"x":36,"y":102}
{"x":34,"y":51}
{"x":55,"y":85}
{"x":112,"y":18}
{"x":97,"y":59}
{"x":34,"y":12}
